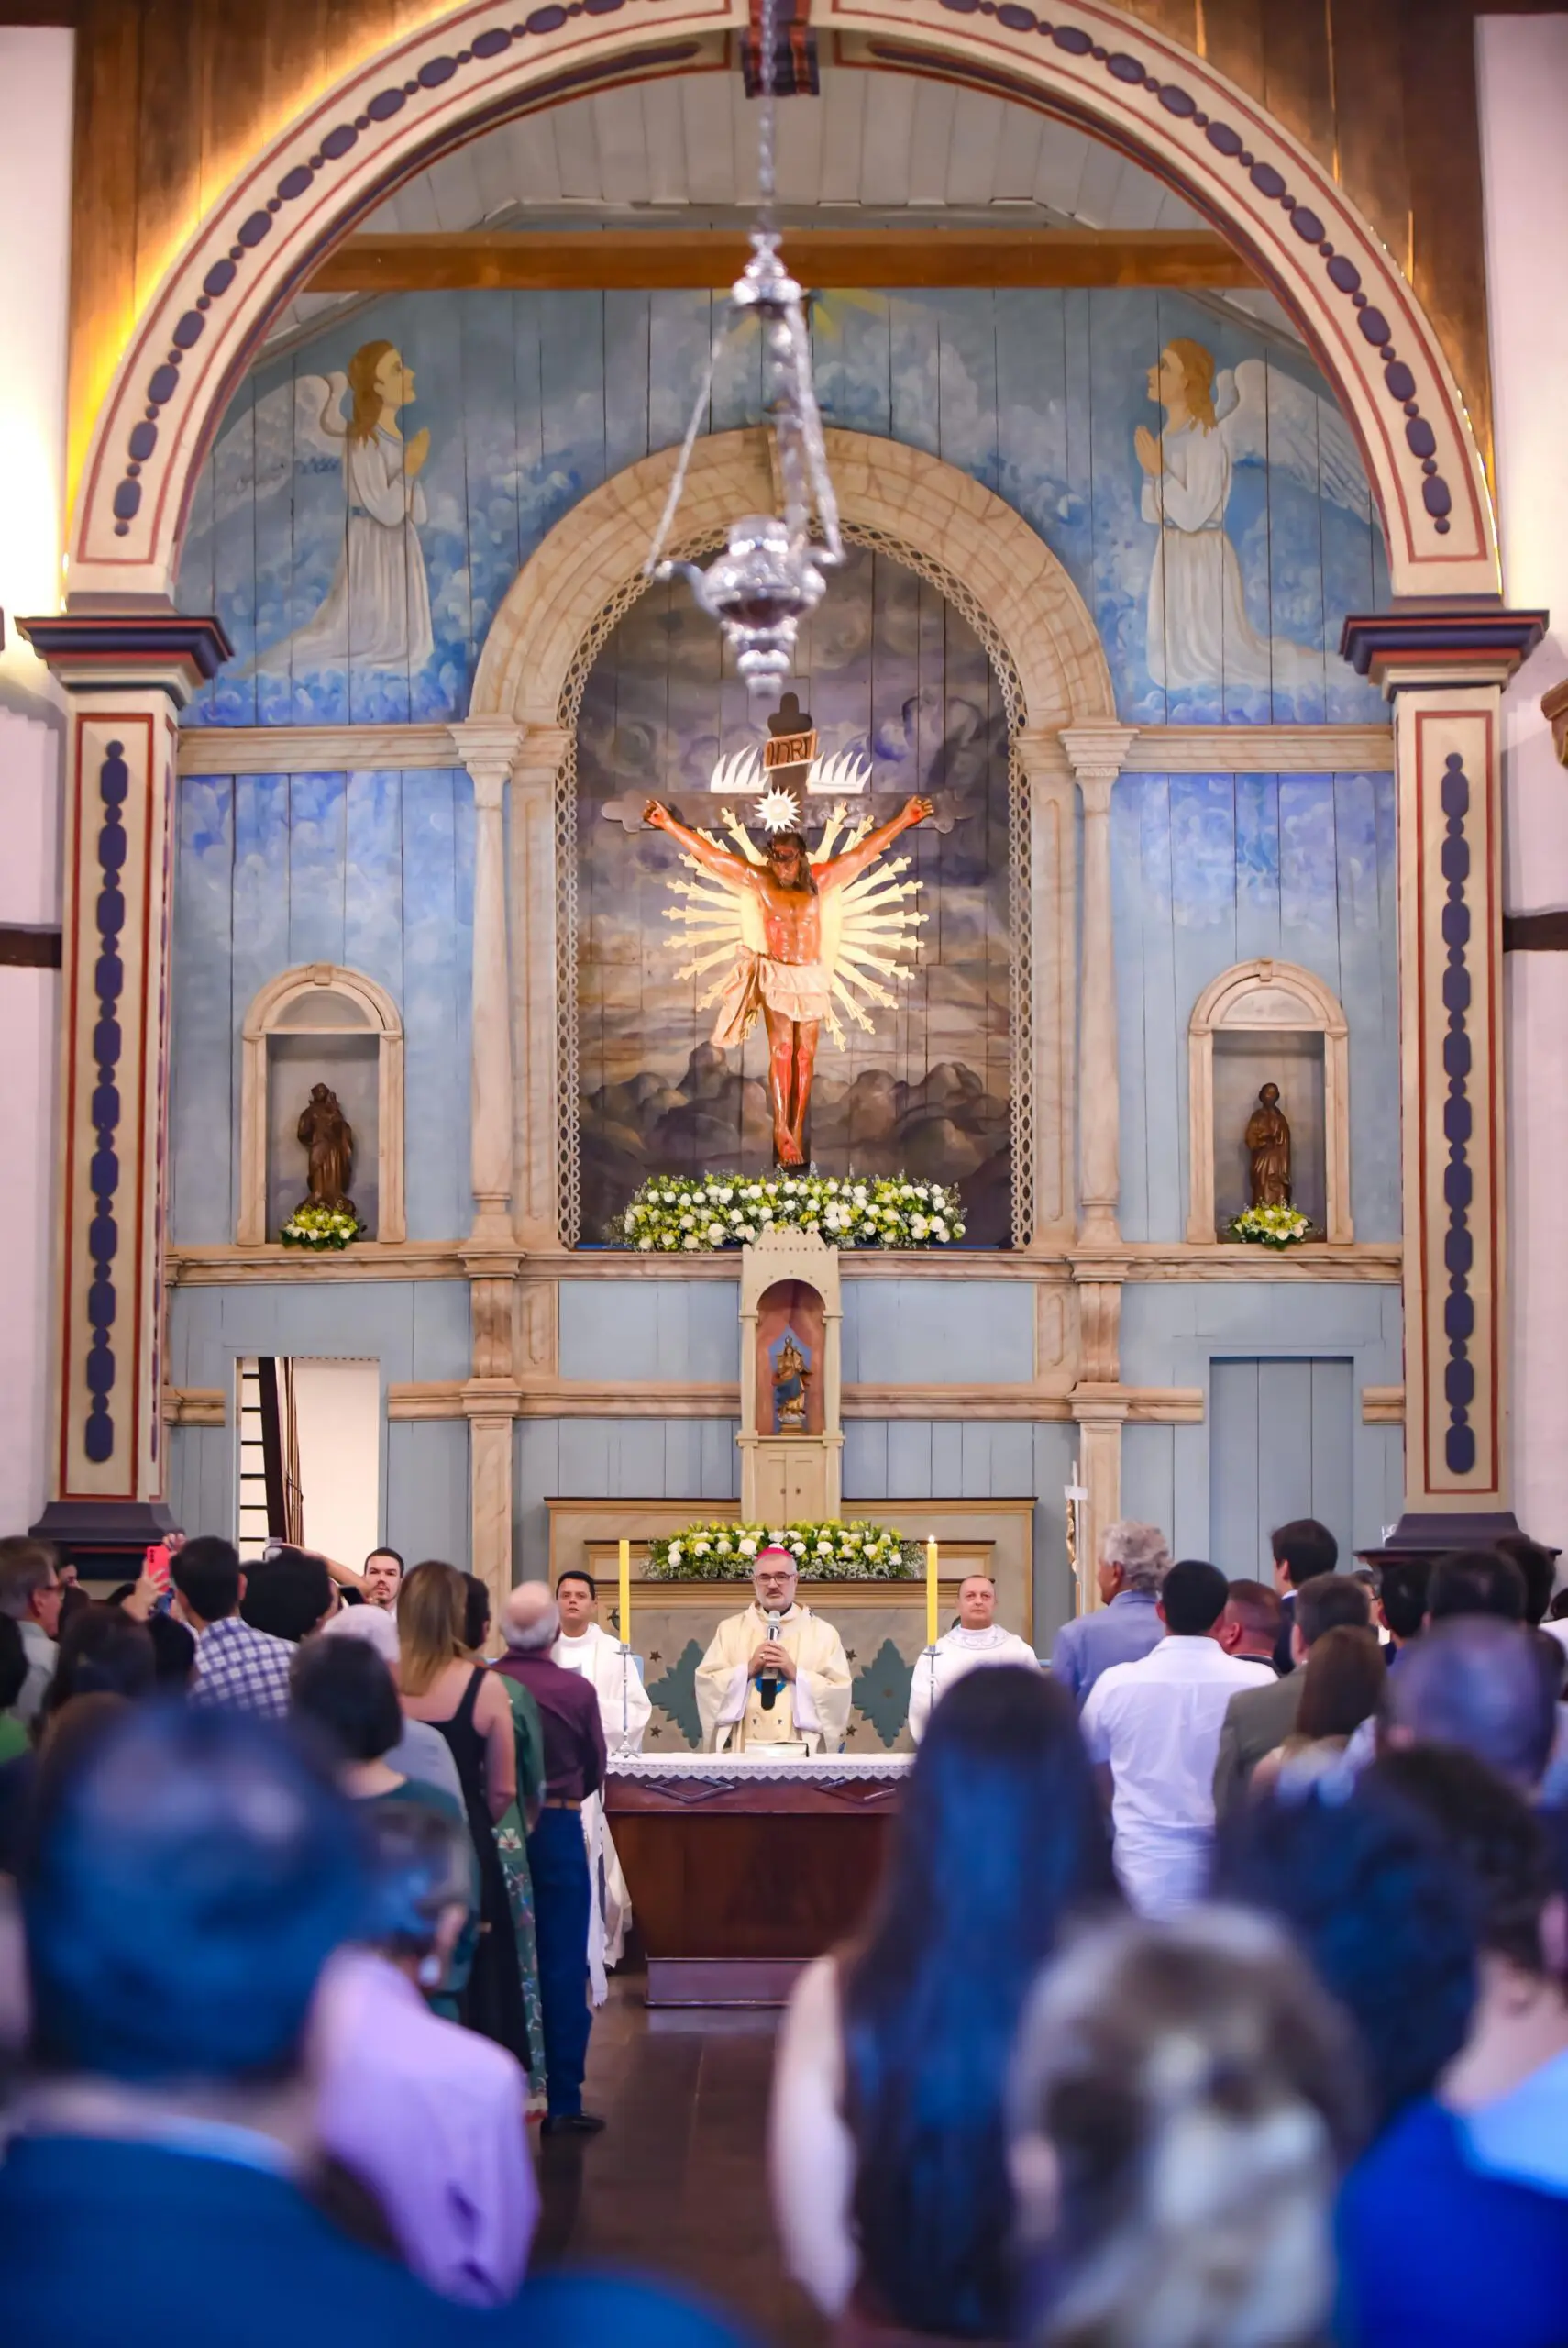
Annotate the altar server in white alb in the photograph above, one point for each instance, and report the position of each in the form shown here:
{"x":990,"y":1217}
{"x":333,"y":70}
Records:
{"x":624,"y":1712}
{"x":976,"y":1641}
{"x":755,"y":1689}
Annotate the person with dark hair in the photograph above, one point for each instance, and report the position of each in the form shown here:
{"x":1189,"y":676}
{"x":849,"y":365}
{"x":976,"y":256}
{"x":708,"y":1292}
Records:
{"x":239,"y":1667}
{"x":1483,"y":1685}
{"x":431,"y":2117}
{"x":345,"y":1690}
{"x":441,"y":1683}
{"x":381,"y":1579}
{"x":13,"y":1679}
{"x":1476,"y":1581}
{"x":1181,"y":2098}
{"x":30,"y":1594}
{"x":1385,"y":1914}
{"x":173,"y":1654}
{"x":886,"y":2154}
{"x":1302,"y":1550}
{"x":1259,"y":1721}
{"x":1152,"y":1728}
{"x":1537,"y":1563}
{"x":1342,"y":1685}
{"x":1249,"y":1624}
{"x":289,"y":1595}
{"x":1403,"y":1584}
{"x":102,"y":1654}
{"x":192,"y":1877}
{"x":1455,"y":2226}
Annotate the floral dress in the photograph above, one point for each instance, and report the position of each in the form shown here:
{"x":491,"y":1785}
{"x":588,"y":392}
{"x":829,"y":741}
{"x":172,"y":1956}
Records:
{"x":511,"y":1844}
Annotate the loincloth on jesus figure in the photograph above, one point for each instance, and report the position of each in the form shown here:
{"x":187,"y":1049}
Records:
{"x":801,"y":992}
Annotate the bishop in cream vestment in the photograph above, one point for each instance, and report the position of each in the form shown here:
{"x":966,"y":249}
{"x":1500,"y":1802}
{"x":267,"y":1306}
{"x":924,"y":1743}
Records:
{"x":812,"y":1707}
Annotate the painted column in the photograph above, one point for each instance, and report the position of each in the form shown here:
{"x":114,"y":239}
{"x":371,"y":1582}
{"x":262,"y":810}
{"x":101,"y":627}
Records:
{"x":1521,"y":74}
{"x":1099,"y":1404}
{"x":1050,"y":1214}
{"x":535,"y":1007}
{"x":1096,"y":754}
{"x":487,"y":748}
{"x":126,"y":677}
{"x":1444,"y":673}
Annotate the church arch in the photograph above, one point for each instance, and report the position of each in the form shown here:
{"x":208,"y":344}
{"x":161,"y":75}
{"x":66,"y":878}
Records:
{"x":1269,"y":999}
{"x":330,"y":1008}
{"x":564,"y":603}
{"x":426,"y":93}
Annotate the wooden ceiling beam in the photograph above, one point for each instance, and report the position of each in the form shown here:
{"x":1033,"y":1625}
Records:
{"x":654,"y":260}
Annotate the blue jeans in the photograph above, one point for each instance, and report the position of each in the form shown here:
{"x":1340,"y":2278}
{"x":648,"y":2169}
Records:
{"x":558,"y":1861}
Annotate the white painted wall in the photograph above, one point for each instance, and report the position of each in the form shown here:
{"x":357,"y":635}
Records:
{"x":337,"y":1421}
{"x":1522,"y":65}
{"x":1523,"y":156}
{"x":35,"y":259}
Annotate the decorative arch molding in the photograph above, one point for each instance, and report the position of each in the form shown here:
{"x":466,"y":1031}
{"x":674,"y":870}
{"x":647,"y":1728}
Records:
{"x":344,"y":1002}
{"x":563,"y":604}
{"x":1091,"y":63}
{"x":1269,"y":997}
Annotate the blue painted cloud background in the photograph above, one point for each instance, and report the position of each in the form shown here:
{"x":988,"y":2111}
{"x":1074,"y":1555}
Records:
{"x":534,"y":399}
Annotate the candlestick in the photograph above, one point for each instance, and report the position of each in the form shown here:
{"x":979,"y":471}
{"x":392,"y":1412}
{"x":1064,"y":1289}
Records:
{"x":931,"y":1593}
{"x":626,"y":1593}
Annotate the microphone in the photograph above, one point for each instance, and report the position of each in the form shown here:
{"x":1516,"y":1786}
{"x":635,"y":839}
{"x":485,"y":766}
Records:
{"x":770,"y":1681}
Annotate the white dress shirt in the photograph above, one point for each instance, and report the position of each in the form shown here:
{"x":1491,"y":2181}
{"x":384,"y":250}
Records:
{"x":957,"y":1652}
{"x":1156,"y":1723}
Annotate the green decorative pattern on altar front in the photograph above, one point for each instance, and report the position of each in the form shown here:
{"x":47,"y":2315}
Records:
{"x":675,"y":1694}
{"x":881,"y":1691}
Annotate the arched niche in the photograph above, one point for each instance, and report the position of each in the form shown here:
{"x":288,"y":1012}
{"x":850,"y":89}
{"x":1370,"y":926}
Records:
{"x":1268,"y":1022}
{"x":790,"y":1279}
{"x":320,"y":1023}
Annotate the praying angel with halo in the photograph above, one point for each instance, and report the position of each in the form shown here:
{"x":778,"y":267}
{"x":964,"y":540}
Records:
{"x":1199,"y":631}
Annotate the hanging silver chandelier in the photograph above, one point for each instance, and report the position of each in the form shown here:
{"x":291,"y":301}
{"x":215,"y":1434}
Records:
{"x":770,"y":575}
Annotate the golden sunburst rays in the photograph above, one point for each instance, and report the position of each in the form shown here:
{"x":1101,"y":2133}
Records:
{"x":870,"y":928}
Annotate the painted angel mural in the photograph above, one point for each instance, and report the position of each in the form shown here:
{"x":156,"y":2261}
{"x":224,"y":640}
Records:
{"x":1199,"y":631}
{"x":376,"y":611}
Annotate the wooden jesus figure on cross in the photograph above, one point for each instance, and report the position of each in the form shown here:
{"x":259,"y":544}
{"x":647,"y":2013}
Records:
{"x":787,"y":981}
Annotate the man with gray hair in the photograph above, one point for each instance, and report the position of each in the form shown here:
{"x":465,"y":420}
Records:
{"x":1133,"y":1562}
{"x":30,"y":1594}
{"x":557,"y":1857}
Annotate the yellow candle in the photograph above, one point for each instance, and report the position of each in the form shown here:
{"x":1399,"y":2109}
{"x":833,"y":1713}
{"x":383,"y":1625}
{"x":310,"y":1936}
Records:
{"x":626,"y":1593}
{"x":931,"y":1593}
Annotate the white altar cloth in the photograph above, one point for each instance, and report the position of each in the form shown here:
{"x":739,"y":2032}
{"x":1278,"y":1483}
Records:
{"x":740,"y":1769}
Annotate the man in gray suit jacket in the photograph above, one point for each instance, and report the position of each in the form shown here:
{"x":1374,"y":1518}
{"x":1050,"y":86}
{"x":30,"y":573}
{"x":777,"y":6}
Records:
{"x":1259,"y":1719}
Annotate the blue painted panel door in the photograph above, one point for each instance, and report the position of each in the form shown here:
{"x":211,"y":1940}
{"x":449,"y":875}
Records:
{"x":1279,"y":1446}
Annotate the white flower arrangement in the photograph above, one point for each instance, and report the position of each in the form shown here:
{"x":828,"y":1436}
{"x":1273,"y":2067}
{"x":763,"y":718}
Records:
{"x":1271,"y":1227}
{"x":722,"y":1552}
{"x":673,"y":1213}
{"x":322,"y":1229}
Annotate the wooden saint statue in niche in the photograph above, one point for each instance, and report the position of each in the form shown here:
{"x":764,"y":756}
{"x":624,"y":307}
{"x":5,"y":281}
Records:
{"x":792,"y":1382}
{"x":1268,"y":1142}
{"x":325,"y":1132}
{"x":792,"y":1339}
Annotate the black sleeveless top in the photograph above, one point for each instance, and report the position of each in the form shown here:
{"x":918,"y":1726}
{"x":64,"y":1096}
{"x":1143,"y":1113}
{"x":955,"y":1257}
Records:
{"x":492,"y":2002}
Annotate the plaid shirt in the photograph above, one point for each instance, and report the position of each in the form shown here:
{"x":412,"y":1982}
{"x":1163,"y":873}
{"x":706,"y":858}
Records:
{"x":242,"y":1671}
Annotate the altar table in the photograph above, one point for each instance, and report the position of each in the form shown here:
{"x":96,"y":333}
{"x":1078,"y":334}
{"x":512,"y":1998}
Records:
{"x":741,"y":1871}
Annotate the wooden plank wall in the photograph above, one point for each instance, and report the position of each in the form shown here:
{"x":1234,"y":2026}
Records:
{"x":172,"y":94}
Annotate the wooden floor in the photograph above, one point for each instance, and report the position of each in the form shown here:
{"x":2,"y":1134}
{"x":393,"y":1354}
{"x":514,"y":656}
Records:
{"x":676,"y":2185}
